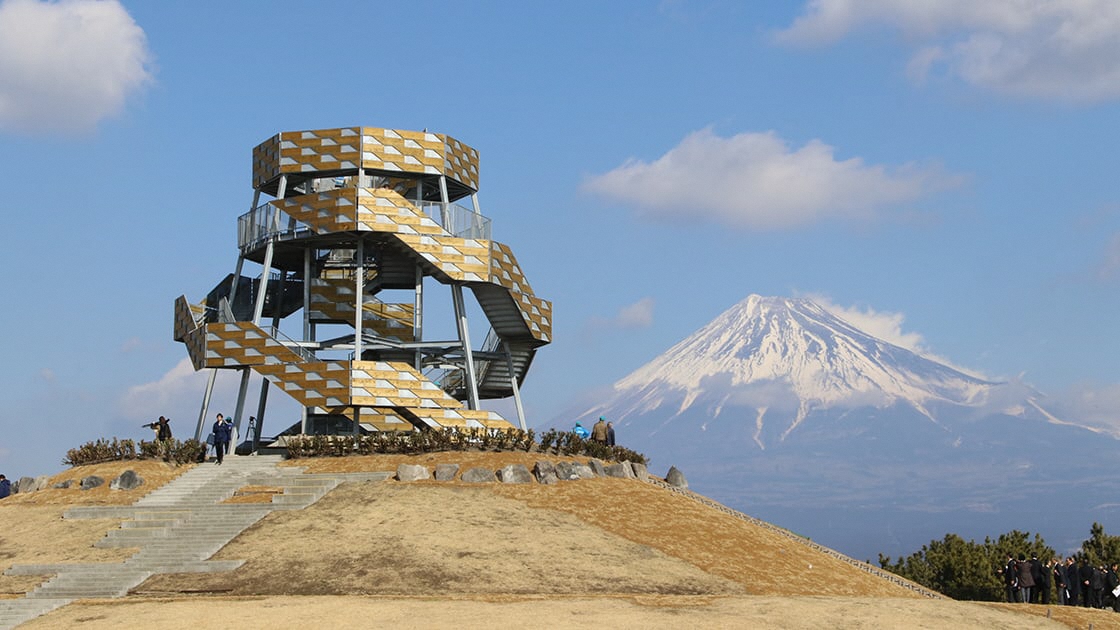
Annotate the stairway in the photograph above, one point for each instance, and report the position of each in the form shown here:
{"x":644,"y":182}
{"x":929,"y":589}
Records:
{"x":176,"y":527}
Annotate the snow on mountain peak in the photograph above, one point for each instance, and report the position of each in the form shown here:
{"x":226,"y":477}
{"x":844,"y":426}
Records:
{"x":798,"y":345}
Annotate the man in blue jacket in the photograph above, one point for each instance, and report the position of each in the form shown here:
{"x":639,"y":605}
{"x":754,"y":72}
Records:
{"x":222,"y":431}
{"x":5,"y":487}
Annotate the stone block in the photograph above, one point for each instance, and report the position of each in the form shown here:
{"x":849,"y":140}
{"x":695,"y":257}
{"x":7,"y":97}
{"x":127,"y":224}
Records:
{"x":413,"y":472}
{"x":127,"y":480}
{"x":479,"y":475}
{"x":515,"y":473}
{"x":676,"y":478}
{"x":446,"y":472}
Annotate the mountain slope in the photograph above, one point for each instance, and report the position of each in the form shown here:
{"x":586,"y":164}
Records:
{"x":782,"y":409}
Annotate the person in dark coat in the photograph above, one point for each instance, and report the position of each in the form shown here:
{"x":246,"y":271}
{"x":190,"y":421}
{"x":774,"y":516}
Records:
{"x":1058,"y":570}
{"x":1085,"y":583}
{"x":222,"y":432}
{"x":1073,"y":581}
{"x":1112,"y":581}
{"x":1010,"y":582}
{"x":1026,"y":582}
{"x":1041,"y":581}
{"x":1098,"y":581}
{"x":5,"y":487}
{"x":610,"y":434}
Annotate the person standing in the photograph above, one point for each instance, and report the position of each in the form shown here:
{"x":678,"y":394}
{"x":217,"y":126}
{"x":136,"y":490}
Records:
{"x":599,"y":431}
{"x":610,"y":434}
{"x":1073,"y":581}
{"x":222,"y":432}
{"x":1058,"y":570}
{"x":1010,"y":578}
{"x":5,"y":487}
{"x":1085,"y":583}
{"x":1044,"y":581}
{"x":1026,"y":582}
{"x":580,"y":431}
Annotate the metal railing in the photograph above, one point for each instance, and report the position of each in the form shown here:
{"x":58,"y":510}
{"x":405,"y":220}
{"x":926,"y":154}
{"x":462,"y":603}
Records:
{"x":306,"y":353}
{"x":458,"y":220}
{"x":264,"y":222}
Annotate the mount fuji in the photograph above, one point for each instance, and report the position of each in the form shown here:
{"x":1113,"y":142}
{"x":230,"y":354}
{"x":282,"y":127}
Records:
{"x":788,"y":412}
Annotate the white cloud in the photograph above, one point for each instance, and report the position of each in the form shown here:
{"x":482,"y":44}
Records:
{"x":1064,"y":50}
{"x":756,"y":181}
{"x":178,"y":395}
{"x":888,"y":327}
{"x":636,"y":315}
{"x":65,"y":66}
{"x":1092,"y":405}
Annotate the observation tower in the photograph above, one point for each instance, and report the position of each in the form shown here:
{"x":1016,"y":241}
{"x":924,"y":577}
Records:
{"x":350,"y":227}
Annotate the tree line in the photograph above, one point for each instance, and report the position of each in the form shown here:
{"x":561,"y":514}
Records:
{"x":966,"y":569}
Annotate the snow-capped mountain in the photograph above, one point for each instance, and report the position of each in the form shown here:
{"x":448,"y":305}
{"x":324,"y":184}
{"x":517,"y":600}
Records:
{"x":786,"y":358}
{"x":782,"y":408}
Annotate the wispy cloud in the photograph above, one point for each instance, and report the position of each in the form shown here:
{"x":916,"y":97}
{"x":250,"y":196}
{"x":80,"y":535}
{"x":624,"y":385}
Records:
{"x":636,"y":315}
{"x":757,"y":181}
{"x":887,"y":326}
{"x":65,"y":66}
{"x":1062,"y":50}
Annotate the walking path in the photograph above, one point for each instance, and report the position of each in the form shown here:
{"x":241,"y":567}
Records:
{"x":176,"y":527}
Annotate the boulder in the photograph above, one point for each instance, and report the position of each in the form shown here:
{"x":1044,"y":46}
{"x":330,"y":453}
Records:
{"x":641,"y":473}
{"x":479,"y":475}
{"x":515,"y":473}
{"x":446,"y":472}
{"x":621,"y":471}
{"x":127,"y":480}
{"x":545,"y":473}
{"x":583,"y":470}
{"x":24,"y":485}
{"x":91,"y":481}
{"x":62,"y":485}
{"x":413,"y":472}
{"x":570,"y":471}
{"x":597,"y":467}
{"x":676,"y":478}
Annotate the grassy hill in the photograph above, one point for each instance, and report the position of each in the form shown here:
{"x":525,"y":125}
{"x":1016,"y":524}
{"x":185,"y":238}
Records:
{"x":440,"y":554}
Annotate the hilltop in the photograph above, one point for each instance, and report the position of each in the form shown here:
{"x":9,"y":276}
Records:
{"x":423,"y":554}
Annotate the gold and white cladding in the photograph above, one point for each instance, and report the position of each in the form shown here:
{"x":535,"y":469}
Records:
{"x":332,"y":300}
{"x":505,"y":272}
{"x":188,"y":329}
{"x":239,"y":344}
{"x":332,"y":150}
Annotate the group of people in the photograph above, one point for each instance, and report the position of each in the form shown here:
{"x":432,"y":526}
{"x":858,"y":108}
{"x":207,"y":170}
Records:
{"x":1076,"y":583}
{"x":221,"y":435}
{"x":602,"y":432}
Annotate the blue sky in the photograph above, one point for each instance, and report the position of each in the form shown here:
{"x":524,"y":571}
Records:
{"x":943,"y":174}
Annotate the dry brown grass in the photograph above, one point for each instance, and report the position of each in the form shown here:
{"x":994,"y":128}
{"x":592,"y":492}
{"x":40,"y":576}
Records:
{"x":603,"y":552}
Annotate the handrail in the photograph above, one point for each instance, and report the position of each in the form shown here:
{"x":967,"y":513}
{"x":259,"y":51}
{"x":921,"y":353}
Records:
{"x":291,"y":344}
{"x":458,"y":220}
{"x":265,"y":222}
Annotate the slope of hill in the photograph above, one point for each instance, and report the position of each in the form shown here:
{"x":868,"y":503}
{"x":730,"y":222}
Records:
{"x":782,"y":409}
{"x":429,"y":554}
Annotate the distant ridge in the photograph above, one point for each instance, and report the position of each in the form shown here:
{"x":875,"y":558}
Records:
{"x":782,"y":409}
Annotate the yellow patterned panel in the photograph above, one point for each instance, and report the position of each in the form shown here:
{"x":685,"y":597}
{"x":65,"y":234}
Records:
{"x":332,"y":299}
{"x":240,"y":344}
{"x":266,"y":161}
{"x":327,"y":150}
{"x":405,"y":151}
{"x":460,"y":162}
{"x":505,"y":272}
{"x":320,"y":150}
